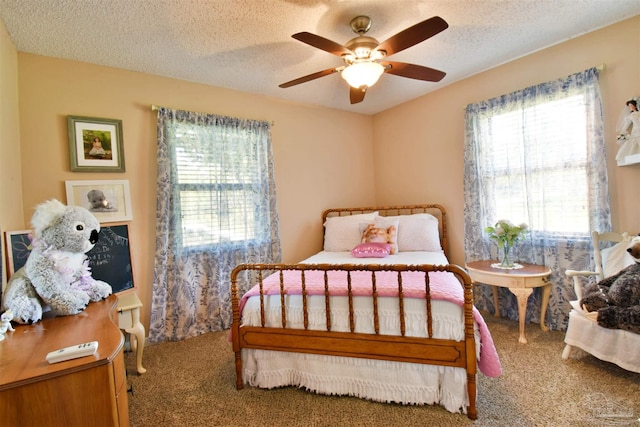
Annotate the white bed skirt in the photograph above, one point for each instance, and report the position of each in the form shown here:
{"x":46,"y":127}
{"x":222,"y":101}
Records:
{"x":381,"y":381}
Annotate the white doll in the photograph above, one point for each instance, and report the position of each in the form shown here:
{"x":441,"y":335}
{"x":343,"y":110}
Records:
{"x":5,"y":323}
{"x":629,"y":131}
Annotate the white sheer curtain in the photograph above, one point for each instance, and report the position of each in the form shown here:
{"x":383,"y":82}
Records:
{"x":216,"y":208}
{"x":538,"y":156}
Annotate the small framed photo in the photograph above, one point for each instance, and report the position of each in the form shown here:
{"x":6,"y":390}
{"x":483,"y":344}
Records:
{"x":108,"y":200}
{"x":95,"y":145}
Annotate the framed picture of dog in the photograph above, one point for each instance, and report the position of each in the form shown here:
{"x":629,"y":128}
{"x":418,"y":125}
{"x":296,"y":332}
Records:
{"x":95,"y":144}
{"x":108,"y":200}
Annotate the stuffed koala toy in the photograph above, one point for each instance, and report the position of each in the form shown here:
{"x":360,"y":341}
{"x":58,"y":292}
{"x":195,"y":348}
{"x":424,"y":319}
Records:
{"x":617,"y":298}
{"x":56,"y":275}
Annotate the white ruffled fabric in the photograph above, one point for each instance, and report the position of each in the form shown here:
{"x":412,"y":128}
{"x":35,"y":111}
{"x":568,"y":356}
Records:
{"x":382,"y":381}
{"x":612,"y":345}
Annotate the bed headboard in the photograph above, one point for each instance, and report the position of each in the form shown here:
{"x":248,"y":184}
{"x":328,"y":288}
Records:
{"x":434,"y":209}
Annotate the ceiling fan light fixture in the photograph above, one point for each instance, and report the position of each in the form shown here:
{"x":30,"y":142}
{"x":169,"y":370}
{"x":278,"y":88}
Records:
{"x":363,"y":55}
{"x":362,"y":74}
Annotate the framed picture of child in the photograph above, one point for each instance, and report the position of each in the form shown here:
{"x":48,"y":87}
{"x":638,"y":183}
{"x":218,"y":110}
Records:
{"x":108,"y":200}
{"x":95,"y":144}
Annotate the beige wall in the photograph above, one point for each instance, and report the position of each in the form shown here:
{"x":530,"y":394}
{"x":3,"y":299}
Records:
{"x":418,"y":146}
{"x":322,"y":157}
{"x":10,"y":172}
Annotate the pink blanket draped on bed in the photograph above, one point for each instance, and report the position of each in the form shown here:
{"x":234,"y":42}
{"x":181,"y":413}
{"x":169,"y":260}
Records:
{"x":443,"y":285}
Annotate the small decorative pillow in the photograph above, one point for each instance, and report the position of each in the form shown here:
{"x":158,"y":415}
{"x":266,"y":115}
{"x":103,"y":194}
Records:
{"x":374,"y":234}
{"x":371,"y":250}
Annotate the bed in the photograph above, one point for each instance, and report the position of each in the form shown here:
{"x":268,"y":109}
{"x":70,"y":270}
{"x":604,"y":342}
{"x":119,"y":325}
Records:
{"x":399,"y":328}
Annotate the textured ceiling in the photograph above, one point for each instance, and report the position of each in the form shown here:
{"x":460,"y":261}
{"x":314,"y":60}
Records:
{"x":246,"y":44}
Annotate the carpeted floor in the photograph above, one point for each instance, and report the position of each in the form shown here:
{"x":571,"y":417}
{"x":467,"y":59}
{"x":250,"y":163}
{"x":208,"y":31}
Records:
{"x":192,"y":383}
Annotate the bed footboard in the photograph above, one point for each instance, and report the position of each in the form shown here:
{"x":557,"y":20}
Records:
{"x":275,"y":280}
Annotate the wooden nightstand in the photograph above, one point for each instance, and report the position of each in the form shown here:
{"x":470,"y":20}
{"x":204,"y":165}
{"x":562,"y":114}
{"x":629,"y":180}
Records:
{"x":129,"y":320}
{"x":520,"y":282}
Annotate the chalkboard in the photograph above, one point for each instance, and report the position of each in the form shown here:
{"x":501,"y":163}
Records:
{"x":110,"y":258}
{"x":18,"y":250}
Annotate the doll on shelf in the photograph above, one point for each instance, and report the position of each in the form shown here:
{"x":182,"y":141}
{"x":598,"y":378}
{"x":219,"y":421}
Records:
{"x":629,"y":131}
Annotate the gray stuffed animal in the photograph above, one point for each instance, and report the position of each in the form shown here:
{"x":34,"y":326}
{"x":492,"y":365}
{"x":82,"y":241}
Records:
{"x":617,"y":298}
{"x":56,"y":275}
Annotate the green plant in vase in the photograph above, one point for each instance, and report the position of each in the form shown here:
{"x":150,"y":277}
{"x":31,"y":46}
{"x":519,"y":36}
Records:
{"x":506,"y":235}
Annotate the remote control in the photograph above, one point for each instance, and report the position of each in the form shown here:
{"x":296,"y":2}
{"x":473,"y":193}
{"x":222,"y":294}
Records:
{"x":72,"y":352}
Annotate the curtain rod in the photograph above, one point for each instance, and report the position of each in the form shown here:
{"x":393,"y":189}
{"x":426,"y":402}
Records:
{"x":154,"y":107}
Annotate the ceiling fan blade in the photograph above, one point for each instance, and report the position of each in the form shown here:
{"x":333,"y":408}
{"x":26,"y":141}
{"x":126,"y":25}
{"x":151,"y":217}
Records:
{"x":309,"y":77}
{"x":322,"y":43}
{"x":413,"y":35}
{"x":413,"y":71}
{"x":356,"y":94}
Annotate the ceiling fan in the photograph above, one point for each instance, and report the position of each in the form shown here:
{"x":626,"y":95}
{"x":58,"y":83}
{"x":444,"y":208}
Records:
{"x":365,"y":59}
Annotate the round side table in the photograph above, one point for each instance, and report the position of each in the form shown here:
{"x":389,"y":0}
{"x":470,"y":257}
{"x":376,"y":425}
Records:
{"x":520,"y":282}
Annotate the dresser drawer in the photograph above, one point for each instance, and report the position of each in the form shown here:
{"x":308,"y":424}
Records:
{"x":120,"y":382}
{"x":125,"y":319}
{"x":119,"y":374}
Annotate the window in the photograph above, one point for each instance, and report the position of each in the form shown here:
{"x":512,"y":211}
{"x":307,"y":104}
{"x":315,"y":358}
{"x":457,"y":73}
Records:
{"x":534,"y":163}
{"x":219,"y":182}
{"x":537,"y":155}
{"x":216,"y":208}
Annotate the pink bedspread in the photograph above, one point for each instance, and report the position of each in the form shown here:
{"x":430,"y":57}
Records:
{"x":444,"y":286}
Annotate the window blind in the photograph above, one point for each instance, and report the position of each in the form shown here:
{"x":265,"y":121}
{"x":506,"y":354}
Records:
{"x":218,"y":186}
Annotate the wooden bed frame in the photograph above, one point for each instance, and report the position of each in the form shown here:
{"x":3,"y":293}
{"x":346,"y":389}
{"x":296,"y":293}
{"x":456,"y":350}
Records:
{"x":430,"y":351}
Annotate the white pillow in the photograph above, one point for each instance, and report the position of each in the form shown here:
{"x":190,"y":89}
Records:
{"x":417,"y":232}
{"x":616,"y":257}
{"x":342,"y":233}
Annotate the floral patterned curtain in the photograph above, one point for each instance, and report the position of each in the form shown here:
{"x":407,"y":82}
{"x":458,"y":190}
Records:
{"x":216,"y":208}
{"x":558,"y":251}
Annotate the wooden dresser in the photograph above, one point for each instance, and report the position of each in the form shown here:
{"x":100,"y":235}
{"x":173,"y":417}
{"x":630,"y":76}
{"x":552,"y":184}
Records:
{"x":88,"y":391}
